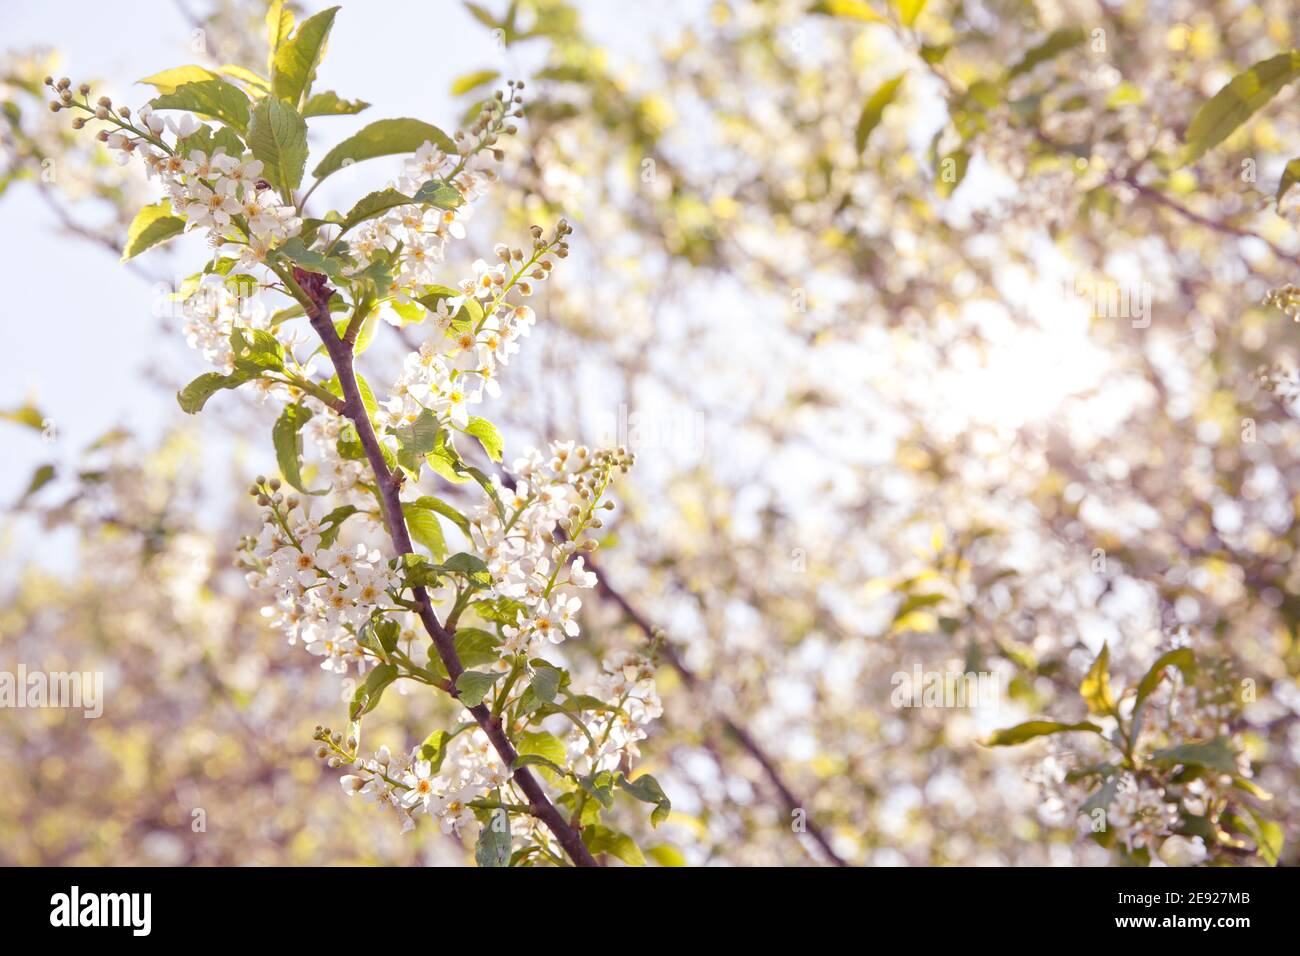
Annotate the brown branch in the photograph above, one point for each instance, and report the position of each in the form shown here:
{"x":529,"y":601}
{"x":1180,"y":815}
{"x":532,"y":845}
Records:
{"x":738,"y":732}
{"x":340,"y":353}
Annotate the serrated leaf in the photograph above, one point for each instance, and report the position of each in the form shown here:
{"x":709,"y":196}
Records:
{"x":1239,"y":99}
{"x":374,"y":204}
{"x":277,"y":135}
{"x":214,"y":98}
{"x":1035,"y":728}
{"x":298,"y":57}
{"x":874,"y":109}
{"x":476,"y":647}
{"x":383,"y":138}
{"x":473,"y":686}
{"x":151,"y":225}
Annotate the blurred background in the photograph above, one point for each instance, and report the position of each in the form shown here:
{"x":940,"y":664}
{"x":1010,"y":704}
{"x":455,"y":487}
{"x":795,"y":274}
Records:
{"x":932,"y":358}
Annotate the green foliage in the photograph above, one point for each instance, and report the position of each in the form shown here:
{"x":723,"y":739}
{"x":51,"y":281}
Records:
{"x":487,"y":436}
{"x":383,"y":138}
{"x":1240,"y":99}
{"x":214,"y":98}
{"x":195,"y":395}
{"x":874,"y":109}
{"x":297,"y":58}
{"x":473,"y":686}
{"x":278,"y":137}
{"x":1095,"y":689}
{"x":1036,"y":728}
{"x":601,"y":839}
{"x":152,"y":224}
{"x":369,"y":694}
{"x":424,"y":528}
{"x":286,"y":435}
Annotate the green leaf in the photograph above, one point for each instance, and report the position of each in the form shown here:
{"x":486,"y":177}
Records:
{"x":213,"y":98}
{"x":27,"y":414}
{"x":472,"y":81}
{"x":1290,"y":176}
{"x":849,"y":9}
{"x":374,"y":204}
{"x":195,"y":395}
{"x":546,"y":682}
{"x":383,"y":138}
{"x":601,"y":839}
{"x":425,"y":529}
{"x":476,"y":647}
{"x":1243,"y":95}
{"x":169,"y":80}
{"x":537,"y":760}
{"x":473,"y":686}
{"x":493,"y":846}
{"x":296,"y":251}
{"x":330,"y":103}
{"x":332,"y":524}
{"x":255,"y":351}
{"x":1182,"y":658}
{"x":447,"y":511}
{"x":278,"y":137}
{"x":41,"y":477}
{"x":469,"y":565}
{"x":416,"y":440}
{"x":951,"y":171}
{"x":874,"y":108}
{"x":1056,"y":43}
{"x":279,"y":27}
{"x":296,"y":60}
{"x":666,"y":855}
{"x":487,"y":436}
{"x":1216,"y":755}
{"x":1035,"y":728}
{"x":434,"y":748}
{"x":151,"y":225}
{"x":438,"y":193}
{"x":286,"y":435}
{"x":369,"y":694}
{"x":543,"y":744}
{"x":1269,"y":838}
{"x":646,"y":789}
{"x":1095,"y":689}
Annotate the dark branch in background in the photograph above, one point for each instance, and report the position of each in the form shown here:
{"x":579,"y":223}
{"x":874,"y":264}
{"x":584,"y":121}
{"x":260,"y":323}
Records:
{"x":742,"y":736}
{"x":340,"y":353}
{"x":692,"y":681}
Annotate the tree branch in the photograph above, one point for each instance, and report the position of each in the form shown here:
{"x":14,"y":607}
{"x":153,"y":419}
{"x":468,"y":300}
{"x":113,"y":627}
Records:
{"x":340,"y":353}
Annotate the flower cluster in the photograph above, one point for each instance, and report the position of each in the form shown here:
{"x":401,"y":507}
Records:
{"x":627,"y":682}
{"x":322,"y":594}
{"x":475,"y":332}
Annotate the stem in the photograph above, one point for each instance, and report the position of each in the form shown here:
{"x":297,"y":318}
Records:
{"x":340,"y":353}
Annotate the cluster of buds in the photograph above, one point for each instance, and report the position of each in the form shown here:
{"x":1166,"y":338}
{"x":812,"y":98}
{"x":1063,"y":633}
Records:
{"x":494,"y":120}
{"x":334,"y":749}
